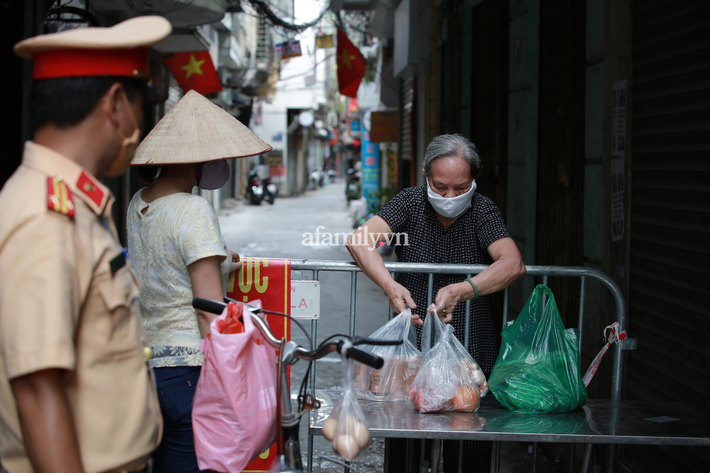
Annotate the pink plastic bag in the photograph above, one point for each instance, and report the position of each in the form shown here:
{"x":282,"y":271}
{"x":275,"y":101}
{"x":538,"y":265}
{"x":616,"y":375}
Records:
{"x":234,"y":410}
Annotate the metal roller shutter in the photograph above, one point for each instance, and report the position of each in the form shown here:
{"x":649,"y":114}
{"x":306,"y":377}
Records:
{"x":669,"y":300}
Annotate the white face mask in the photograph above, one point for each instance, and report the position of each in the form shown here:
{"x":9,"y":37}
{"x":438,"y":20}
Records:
{"x":452,"y":207}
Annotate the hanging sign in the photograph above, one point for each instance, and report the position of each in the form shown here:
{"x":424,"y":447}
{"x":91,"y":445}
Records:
{"x":618,"y":121}
{"x":383,"y":126}
{"x":288,"y":49}
{"x":617,"y":199}
{"x":305,"y":300}
{"x":370,"y":172}
{"x":325,"y":41}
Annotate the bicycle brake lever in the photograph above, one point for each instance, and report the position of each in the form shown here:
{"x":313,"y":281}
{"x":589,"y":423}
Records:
{"x":371,"y":341}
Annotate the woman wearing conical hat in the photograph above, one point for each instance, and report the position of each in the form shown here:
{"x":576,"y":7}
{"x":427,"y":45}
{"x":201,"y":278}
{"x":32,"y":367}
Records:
{"x":178,"y":252}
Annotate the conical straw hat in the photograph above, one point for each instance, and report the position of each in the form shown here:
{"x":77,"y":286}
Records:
{"x":195,"y":131}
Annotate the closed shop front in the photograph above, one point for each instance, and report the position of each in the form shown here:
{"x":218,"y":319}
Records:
{"x":669,"y":299}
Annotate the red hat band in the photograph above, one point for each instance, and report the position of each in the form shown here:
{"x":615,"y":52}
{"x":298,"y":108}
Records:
{"x":91,"y":62}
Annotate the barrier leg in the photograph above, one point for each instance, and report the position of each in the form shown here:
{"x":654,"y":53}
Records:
{"x":587,"y":458}
{"x":436,"y":455}
{"x":496,"y":456}
{"x":534,"y":468}
{"x":412,"y":456}
{"x":611,"y":458}
{"x":571,"y":457}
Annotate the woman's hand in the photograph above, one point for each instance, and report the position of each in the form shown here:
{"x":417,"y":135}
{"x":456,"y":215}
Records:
{"x":236,"y":262}
{"x":400,"y":298}
{"x":446,"y":300}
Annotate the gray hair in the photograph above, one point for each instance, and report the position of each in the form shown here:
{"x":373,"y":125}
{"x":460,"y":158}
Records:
{"x":452,"y":145}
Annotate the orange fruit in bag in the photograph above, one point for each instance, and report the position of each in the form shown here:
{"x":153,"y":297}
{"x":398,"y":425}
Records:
{"x":466,"y":400}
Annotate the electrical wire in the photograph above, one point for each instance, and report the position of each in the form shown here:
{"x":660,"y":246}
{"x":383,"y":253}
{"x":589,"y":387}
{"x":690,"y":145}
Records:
{"x":310,"y":71}
{"x":263,"y":8}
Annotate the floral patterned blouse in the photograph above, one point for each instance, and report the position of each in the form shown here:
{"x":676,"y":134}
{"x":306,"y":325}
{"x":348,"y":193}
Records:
{"x":175,"y":231}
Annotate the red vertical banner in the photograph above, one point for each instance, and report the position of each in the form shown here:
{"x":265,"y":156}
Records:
{"x":269,"y":280}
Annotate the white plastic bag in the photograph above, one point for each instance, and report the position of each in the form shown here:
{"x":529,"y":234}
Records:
{"x":392,"y":382}
{"x":345,"y":426}
{"x":449,"y":378}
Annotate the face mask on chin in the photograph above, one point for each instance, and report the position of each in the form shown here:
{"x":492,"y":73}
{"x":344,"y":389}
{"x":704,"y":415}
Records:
{"x":452,"y":207}
{"x":128,"y":145}
{"x":212,"y":175}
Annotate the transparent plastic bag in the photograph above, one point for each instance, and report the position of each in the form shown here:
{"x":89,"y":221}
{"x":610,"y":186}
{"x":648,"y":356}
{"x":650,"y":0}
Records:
{"x":393,"y":380}
{"x":449,"y":379}
{"x":537,"y":369}
{"x":345,"y":427}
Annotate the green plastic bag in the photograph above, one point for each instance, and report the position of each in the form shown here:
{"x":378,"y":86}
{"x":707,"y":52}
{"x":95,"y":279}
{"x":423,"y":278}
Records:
{"x":537,"y":369}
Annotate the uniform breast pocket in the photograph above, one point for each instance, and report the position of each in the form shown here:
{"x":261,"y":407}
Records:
{"x":116,"y":327}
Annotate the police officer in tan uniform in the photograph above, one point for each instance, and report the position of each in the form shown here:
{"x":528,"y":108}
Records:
{"x":76,"y":392}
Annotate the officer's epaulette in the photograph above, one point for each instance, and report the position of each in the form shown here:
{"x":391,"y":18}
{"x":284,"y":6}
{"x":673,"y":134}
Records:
{"x":59,"y":197}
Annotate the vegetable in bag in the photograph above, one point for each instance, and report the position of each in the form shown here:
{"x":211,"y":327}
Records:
{"x":345,"y":426}
{"x":393,"y":380}
{"x":537,"y":369}
{"x":449,"y":379}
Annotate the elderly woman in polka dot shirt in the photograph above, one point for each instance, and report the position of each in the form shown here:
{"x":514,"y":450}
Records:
{"x":446,"y":221}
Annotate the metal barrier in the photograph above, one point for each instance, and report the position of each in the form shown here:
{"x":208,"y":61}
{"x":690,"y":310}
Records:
{"x":316,"y":266}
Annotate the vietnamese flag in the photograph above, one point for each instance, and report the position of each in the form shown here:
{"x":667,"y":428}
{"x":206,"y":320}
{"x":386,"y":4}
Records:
{"x":351,"y":66}
{"x":194,"y":71}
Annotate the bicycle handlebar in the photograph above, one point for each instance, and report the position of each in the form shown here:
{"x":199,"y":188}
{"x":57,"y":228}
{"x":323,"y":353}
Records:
{"x":356,"y":354}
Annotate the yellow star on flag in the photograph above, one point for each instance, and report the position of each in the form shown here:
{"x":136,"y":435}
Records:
{"x":346,"y":59}
{"x":193,"y":67}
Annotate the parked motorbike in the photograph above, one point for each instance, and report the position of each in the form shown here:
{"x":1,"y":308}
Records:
{"x":312,"y":181}
{"x":353,"y":187}
{"x":331,"y":176}
{"x":270,"y":190}
{"x":254,"y":192}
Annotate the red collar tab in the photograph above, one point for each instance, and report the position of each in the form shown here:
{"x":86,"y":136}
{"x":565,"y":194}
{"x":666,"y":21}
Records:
{"x":59,"y":197}
{"x":91,"y":62}
{"x":91,"y":189}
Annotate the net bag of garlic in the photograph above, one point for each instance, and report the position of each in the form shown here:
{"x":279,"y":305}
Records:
{"x":392,"y":382}
{"x":449,"y":379}
{"x":345,"y":426}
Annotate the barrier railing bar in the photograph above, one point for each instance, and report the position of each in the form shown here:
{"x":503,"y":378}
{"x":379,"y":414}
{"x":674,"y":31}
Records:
{"x":391,"y":314}
{"x":581,"y":316}
{"x":430,"y":290}
{"x":312,"y":381}
{"x":353,"y":292}
{"x":544,"y":295}
{"x":505,"y":306}
{"x":468,"y":321}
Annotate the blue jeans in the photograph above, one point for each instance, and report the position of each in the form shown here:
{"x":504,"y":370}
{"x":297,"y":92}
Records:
{"x":176,"y":388}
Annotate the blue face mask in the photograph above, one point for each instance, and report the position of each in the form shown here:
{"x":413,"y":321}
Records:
{"x":451,"y":207}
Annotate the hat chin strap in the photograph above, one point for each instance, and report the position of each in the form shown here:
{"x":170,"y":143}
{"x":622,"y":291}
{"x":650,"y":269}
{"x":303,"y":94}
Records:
{"x":128,"y":145}
{"x":125,"y":155}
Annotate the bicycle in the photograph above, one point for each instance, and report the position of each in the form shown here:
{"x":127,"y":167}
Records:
{"x":288,"y":445}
